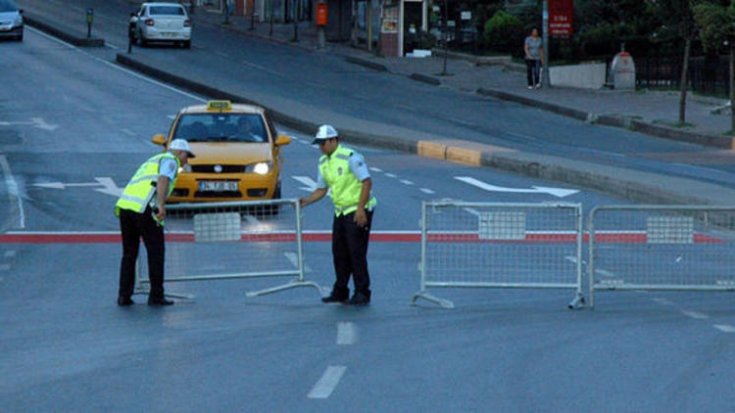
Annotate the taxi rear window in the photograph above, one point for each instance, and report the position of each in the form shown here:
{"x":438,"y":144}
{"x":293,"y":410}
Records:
{"x":221,"y":127}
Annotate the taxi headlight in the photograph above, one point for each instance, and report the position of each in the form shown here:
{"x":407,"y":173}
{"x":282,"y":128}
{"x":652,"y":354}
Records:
{"x":260,"y":168}
{"x":18,"y":20}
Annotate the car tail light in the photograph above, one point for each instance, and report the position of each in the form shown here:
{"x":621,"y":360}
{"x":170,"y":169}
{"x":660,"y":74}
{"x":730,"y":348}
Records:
{"x":150,"y":22}
{"x":187,"y":23}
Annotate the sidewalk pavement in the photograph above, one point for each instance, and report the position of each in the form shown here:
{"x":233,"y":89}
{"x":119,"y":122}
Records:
{"x":648,"y":112}
{"x":654,"y":113}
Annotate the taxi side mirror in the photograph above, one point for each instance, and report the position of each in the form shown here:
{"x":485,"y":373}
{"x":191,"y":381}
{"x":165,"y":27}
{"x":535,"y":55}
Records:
{"x":159,"y":139}
{"x":282,"y":140}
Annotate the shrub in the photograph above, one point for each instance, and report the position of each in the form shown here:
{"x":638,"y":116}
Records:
{"x":503,"y":32}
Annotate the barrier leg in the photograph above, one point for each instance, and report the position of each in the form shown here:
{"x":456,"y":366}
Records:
{"x":436,"y":300}
{"x":295,"y":283}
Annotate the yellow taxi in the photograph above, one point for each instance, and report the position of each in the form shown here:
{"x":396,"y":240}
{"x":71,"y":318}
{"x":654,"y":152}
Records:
{"x":238,"y":153}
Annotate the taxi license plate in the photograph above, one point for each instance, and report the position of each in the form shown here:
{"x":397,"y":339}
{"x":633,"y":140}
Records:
{"x":217,"y":186}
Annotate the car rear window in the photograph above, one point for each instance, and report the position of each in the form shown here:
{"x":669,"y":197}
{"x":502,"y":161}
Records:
{"x":167,"y":10}
{"x":7,"y":5}
{"x":234,"y":127}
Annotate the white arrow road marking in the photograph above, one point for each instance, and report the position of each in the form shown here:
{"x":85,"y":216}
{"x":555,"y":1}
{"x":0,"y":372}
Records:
{"x":310,"y":183}
{"x":329,"y":381}
{"x":35,"y":122}
{"x":108,"y":186}
{"x":725,"y":328}
{"x":346,"y":333}
{"x":557,"y":192}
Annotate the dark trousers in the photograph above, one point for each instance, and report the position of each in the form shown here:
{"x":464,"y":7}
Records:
{"x":533,"y":72}
{"x":133,"y":226}
{"x":349,"y":250}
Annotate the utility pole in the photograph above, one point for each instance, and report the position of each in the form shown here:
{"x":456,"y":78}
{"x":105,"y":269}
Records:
{"x":545,"y":29}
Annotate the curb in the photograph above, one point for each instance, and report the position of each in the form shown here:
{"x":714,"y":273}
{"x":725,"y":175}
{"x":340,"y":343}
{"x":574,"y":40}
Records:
{"x":80,"y":41}
{"x":425,"y":79}
{"x":638,"y":186}
{"x":366,"y":63}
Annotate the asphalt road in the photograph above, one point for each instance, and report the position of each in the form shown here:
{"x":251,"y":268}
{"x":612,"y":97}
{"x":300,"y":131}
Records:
{"x":71,"y":118}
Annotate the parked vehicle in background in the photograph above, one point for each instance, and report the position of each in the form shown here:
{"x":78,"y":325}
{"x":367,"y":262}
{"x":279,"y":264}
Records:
{"x":11,"y":20}
{"x":161,"y":22}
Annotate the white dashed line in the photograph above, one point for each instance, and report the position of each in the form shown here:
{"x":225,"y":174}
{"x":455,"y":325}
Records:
{"x":695,"y":315}
{"x":724,"y":328}
{"x":390,"y":175}
{"x":9,"y":254}
{"x":346,"y":333}
{"x":663,"y":301}
{"x":427,"y":191}
{"x":406,"y":182}
{"x":4,"y":267}
{"x":128,"y":132}
{"x":329,"y":381}
{"x":375,"y":169}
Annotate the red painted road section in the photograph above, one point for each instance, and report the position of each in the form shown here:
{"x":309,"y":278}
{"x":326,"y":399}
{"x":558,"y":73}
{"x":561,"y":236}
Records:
{"x":632,"y":237}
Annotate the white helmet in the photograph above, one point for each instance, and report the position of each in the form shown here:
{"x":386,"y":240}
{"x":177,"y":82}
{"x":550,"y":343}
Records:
{"x":325,"y":132}
{"x":181,"y":145}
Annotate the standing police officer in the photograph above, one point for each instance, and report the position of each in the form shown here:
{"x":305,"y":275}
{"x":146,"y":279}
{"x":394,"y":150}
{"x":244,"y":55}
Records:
{"x":142,"y":209}
{"x":344,"y":172}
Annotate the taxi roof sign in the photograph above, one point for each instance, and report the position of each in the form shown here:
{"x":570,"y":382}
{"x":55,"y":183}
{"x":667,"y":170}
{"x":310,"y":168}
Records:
{"x":219,"y":105}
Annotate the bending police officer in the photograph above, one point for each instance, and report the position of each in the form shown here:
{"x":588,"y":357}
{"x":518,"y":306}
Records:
{"x":344,"y":171}
{"x":142,"y":210}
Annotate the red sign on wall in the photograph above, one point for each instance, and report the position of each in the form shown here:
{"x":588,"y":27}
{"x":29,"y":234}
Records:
{"x":561,"y":17}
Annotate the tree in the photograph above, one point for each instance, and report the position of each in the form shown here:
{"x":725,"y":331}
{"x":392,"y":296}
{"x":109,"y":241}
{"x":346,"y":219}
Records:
{"x":717,"y":29}
{"x":679,"y":16}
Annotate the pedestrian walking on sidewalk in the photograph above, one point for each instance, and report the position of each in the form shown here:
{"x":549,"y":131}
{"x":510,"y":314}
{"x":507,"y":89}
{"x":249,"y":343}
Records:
{"x":344,"y":172}
{"x":141,"y":209}
{"x":534,"y":51}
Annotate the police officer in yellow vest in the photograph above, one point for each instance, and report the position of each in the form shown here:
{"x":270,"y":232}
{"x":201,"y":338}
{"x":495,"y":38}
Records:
{"x":142,"y":210}
{"x":344,"y":172}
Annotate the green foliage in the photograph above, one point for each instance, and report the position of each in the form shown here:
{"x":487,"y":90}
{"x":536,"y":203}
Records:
{"x":715,"y":23}
{"x":504,"y":33}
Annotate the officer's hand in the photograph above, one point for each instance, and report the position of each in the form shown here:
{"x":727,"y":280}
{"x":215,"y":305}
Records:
{"x":360,"y":218}
{"x":161,"y":215}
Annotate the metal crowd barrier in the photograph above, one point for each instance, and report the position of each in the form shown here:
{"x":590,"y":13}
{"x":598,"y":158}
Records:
{"x":500,"y":245}
{"x":232,"y":240}
{"x":661,"y":247}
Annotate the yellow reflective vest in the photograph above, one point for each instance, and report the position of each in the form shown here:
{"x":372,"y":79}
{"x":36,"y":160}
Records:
{"x":142,"y":186}
{"x":345,"y":186}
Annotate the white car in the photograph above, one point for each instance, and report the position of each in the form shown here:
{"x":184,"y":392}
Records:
{"x":161,"y":22}
{"x":11,"y":20}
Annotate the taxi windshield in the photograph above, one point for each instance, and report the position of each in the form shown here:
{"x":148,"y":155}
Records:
{"x":221,"y":127}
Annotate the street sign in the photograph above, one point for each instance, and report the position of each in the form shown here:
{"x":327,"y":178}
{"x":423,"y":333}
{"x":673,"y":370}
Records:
{"x":561,"y":18}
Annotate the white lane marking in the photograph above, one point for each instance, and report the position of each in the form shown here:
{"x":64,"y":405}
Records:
{"x":310,"y":184}
{"x":294,"y":260}
{"x":13,"y":193}
{"x":128,"y":132}
{"x":390,"y":175}
{"x":263,"y":68}
{"x":329,"y":381}
{"x":221,"y":53}
{"x":695,"y":315}
{"x":406,"y":182}
{"x":9,"y":254}
{"x":725,"y":328}
{"x":375,"y":169}
{"x":427,"y":191}
{"x":120,"y":68}
{"x":4,"y":267}
{"x":346,"y":333}
{"x":663,"y":301}
{"x":557,"y":192}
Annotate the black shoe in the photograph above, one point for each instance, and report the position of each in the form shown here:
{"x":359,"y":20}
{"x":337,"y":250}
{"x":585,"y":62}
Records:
{"x":125,"y":301}
{"x":359,"y":299}
{"x":158,"y":302}
{"x":334,"y":299}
